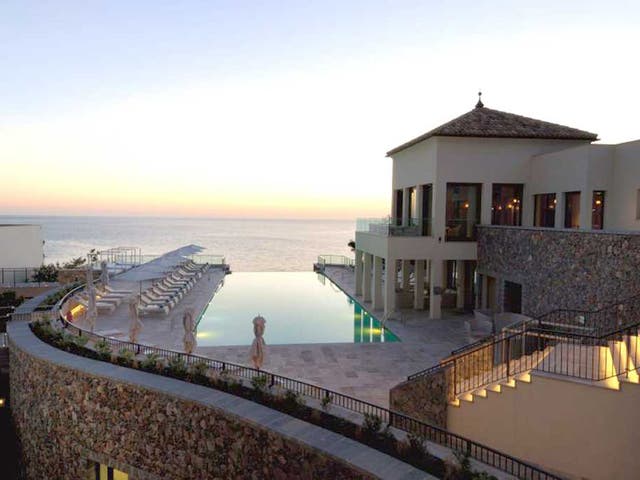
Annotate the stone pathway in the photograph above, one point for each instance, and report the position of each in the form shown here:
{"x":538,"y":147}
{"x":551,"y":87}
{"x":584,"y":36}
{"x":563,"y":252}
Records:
{"x":366,"y":370}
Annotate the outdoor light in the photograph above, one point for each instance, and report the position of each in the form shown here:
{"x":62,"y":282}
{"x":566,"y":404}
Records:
{"x":598,"y":202}
{"x":466,"y":205}
{"x":1,"y":402}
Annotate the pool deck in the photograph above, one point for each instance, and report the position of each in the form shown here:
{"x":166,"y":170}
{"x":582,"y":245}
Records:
{"x":159,"y":330}
{"x":364,"y":370}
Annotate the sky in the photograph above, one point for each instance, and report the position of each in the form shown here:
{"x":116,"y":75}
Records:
{"x":281,"y":109}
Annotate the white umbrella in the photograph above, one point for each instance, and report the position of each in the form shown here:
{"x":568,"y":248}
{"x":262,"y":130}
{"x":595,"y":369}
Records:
{"x":104,"y":273}
{"x":189,"y":339}
{"x":136,"y":325}
{"x":186,"y":250}
{"x":258,"y":347}
{"x":143,"y":272}
{"x":92,"y":308}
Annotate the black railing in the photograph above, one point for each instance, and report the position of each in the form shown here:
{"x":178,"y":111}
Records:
{"x":14,"y":276}
{"x":398,"y":420}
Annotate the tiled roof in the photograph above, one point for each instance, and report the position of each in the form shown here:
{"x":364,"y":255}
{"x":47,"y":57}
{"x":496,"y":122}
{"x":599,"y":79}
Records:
{"x":486,"y":122}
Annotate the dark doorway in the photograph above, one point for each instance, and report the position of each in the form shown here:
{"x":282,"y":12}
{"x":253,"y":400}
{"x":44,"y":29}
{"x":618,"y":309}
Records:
{"x":469,"y":285}
{"x":512,"y":297}
{"x":398,"y":213}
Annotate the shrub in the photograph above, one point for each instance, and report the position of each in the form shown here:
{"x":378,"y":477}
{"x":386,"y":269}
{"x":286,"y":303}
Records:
{"x":176,"y":367}
{"x":416,"y":446}
{"x":150,"y":362}
{"x":126,"y":357}
{"x":372,"y":424}
{"x":104,"y":349}
{"x":292,"y":402}
{"x":326,"y":402}
{"x":46,"y":273}
{"x":199,"y":370}
{"x":81,"y":341}
{"x":259,"y":383}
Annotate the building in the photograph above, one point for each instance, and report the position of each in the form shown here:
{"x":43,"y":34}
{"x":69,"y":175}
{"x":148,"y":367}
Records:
{"x":21,"y":252}
{"x":486,"y":167}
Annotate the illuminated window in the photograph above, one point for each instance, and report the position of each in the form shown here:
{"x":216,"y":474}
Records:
{"x":463,"y":211}
{"x":597,"y":210}
{"x":99,"y":471}
{"x":572,"y":210}
{"x":506,"y":204}
{"x":544,"y":210}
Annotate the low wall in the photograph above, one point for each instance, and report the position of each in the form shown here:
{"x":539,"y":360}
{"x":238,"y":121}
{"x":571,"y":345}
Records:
{"x":425,"y":398}
{"x":560,"y":268}
{"x":70,"y":411}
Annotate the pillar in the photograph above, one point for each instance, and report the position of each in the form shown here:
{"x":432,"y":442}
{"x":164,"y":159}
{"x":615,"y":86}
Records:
{"x":390,"y":275}
{"x":366,"y":284}
{"x":436,"y":288}
{"x":378,"y":299}
{"x":358,"y":272}
{"x":406,"y":273}
{"x":406,"y":205}
{"x":559,"y":220}
{"x":486,"y":203}
{"x":484,"y":300}
{"x":459,"y":284}
{"x":418,"y":275}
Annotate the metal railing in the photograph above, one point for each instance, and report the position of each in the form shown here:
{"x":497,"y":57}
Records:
{"x":395,"y":227}
{"x":589,"y":345}
{"x":398,"y":420}
{"x":15,"y":276}
{"x":335,"y":260}
{"x":216,"y":260}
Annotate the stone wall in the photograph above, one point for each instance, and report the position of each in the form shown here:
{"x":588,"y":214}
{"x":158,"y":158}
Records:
{"x":66,"y":417}
{"x":560,"y":268}
{"x":425,"y":398}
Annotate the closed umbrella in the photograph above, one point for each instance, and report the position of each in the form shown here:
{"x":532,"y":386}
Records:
{"x":189,"y":339}
{"x":92,"y":310}
{"x":258,"y":347}
{"x":135,"y":325}
{"x":104,"y":273}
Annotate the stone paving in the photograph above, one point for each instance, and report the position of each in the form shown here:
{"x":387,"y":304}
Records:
{"x":366,"y":371}
{"x":159,"y":330}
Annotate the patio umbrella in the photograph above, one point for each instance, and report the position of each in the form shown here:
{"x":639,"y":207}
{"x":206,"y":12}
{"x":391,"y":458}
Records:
{"x":186,"y":250}
{"x":258,"y":347}
{"x":136,"y":325}
{"x":92,"y":308}
{"x":189,"y":327}
{"x":104,"y":273}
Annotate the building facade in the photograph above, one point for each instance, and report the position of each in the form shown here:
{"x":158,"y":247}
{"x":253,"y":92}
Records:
{"x":486,"y":167}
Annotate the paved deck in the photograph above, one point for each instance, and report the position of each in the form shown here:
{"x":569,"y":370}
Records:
{"x":159,"y":330}
{"x":366,"y":371}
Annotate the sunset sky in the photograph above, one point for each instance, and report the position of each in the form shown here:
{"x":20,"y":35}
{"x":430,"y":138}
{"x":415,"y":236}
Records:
{"x":281,"y":108}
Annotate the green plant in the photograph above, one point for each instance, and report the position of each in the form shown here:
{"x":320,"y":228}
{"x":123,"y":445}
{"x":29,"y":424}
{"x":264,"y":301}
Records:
{"x":292,"y":402}
{"x":81,"y":341}
{"x":416,"y":446}
{"x":326,"y":401}
{"x":150,"y":362}
{"x":176,"y":366}
{"x":372,"y":423}
{"x":46,"y":273}
{"x":199,"y":369}
{"x":126,"y":357}
{"x":259,"y":383}
{"x":103,"y":348}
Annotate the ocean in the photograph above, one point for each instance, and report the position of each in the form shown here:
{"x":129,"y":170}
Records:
{"x":248,"y":245}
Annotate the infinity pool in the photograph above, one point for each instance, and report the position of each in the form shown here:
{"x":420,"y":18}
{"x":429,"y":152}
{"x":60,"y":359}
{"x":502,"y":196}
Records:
{"x":299,"y":307}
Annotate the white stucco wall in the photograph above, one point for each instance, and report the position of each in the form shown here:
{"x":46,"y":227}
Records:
{"x":21,"y":246}
{"x":623,"y":198}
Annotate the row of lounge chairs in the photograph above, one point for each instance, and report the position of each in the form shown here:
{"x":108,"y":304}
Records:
{"x":108,"y":298}
{"x":167,"y":293}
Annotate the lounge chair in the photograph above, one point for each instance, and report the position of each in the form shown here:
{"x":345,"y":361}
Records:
{"x":144,"y":308}
{"x":101,"y":306}
{"x":112,"y":290}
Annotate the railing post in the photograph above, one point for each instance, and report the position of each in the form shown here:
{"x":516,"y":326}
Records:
{"x":508,"y":355}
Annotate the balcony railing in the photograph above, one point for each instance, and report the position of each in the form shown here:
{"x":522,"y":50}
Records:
{"x":395,"y":227}
{"x":335,"y":260}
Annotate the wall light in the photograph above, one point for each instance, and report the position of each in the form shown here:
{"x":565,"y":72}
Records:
{"x":2,"y":402}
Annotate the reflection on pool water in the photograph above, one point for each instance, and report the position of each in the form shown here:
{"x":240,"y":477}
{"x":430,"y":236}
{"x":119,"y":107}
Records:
{"x":300,"y":307}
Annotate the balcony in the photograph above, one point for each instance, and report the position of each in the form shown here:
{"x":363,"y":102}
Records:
{"x":395,"y":227}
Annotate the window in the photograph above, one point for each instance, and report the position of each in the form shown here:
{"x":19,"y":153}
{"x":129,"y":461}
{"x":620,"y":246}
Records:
{"x":99,"y":471}
{"x":597,"y":210}
{"x":398,"y":212}
{"x":506,"y":204}
{"x":572,"y":210}
{"x":427,"y":193}
{"x":463,"y":211}
{"x":451,"y":275}
{"x":412,"y":206}
{"x":544,"y":211}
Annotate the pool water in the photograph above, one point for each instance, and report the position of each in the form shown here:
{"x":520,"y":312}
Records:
{"x":299,"y":307}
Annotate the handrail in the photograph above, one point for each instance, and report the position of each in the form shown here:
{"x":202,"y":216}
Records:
{"x":435,"y":434}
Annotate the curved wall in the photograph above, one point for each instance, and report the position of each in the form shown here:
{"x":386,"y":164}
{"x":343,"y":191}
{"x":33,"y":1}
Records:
{"x":70,"y":411}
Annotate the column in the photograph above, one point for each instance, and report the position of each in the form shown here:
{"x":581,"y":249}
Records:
{"x":484,"y":301}
{"x":406,"y":204}
{"x":485,"y":205}
{"x":406,"y":273}
{"x":559,"y":220}
{"x":418,"y":275}
{"x":390,"y":274}
{"x":419,"y":214}
{"x":358,"y":272}
{"x":459,"y":284}
{"x":366,"y":284}
{"x":436,"y":288}
{"x":586,"y":200}
{"x":378,"y":300}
